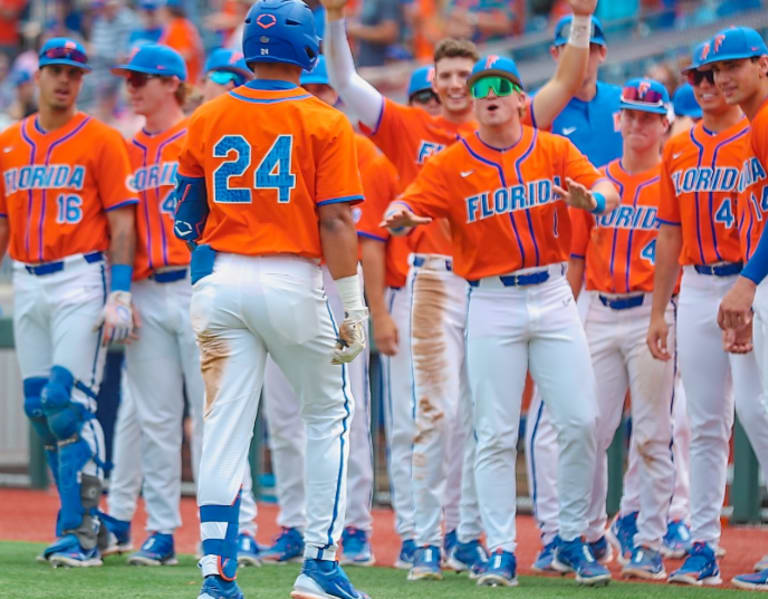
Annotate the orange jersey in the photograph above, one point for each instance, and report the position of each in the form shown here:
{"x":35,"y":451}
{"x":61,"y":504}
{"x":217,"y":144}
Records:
{"x":155,"y":161}
{"x":270,"y":153}
{"x":698,"y":187}
{"x":503,"y":213}
{"x":181,"y":35}
{"x":57,"y":187}
{"x":619,"y":247}
{"x":753,"y":185}
{"x":380,"y":185}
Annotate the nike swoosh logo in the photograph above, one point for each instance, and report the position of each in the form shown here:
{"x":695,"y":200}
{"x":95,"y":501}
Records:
{"x":568,"y":130}
{"x":466,"y":173}
{"x":676,"y":155}
{"x":6,"y":150}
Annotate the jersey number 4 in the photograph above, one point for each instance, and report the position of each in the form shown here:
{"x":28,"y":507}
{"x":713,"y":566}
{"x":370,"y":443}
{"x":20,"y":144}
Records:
{"x":724,"y":214}
{"x":273,"y":172}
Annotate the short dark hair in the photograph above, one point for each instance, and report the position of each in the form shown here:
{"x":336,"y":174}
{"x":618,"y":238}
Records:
{"x":453,"y":48}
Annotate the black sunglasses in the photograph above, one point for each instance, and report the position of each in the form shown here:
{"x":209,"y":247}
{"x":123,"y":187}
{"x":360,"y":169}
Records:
{"x":135,"y":79}
{"x":425,"y":96}
{"x":696,"y":76}
{"x":67,"y":53}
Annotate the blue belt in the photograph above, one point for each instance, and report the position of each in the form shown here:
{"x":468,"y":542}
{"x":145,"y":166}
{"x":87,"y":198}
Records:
{"x":51,"y":267}
{"x":169,"y":276}
{"x":720,"y":270}
{"x":419,"y":261}
{"x":533,"y":278}
{"x":622,"y":303}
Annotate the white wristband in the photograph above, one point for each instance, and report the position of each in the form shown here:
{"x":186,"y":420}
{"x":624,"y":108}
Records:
{"x":581,"y":29}
{"x":350,"y":292}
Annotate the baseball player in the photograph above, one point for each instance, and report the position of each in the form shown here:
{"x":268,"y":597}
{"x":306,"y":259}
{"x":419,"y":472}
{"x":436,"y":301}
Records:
{"x":266,"y":178}
{"x":409,"y":137}
{"x":616,"y":251}
{"x":284,"y":420}
{"x":64,"y":207}
{"x":224,"y":71}
{"x":420,"y":92}
{"x":501,"y":191}
{"x":739,"y":60}
{"x":163,"y":362}
{"x":699,"y":230}
{"x":589,"y":121}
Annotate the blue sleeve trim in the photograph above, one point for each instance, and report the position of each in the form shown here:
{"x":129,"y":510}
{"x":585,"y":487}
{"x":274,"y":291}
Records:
{"x":121,"y":277}
{"x":533,"y":116}
{"x":579,"y":256}
{"x":757,"y":267}
{"x":374,"y":237}
{"x":131,"y":202}
{"x":375,"y":130}
{"x":667,"y":222}
{"x":342,"y":199}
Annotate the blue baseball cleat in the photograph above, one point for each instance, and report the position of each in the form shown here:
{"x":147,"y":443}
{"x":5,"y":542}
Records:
{"x":355,"y":548}
{"x":762,"y":564}
{"x":449,"y":542}
{"x":677,"y":540}
{"x":405,"y":559}
{"x":575,"y":556}
{"x":118,"y":535}
{"x":500,"y":570}
{"x":757,"y":581}
{"x":157,"y":550}
{"x":287,"y":548}
{"x":699,"y":568}
{"x":621,"y":535}
{"x":67,"y":551}
{"x":646,"y":564}
{"x":324,"y":579}
{"x":601,"y":550}
{"x":215,"y":587}
{"x":470,"y":557}
{"x":543,"y":563}
{"x":426,"y":564}
{"x":247,"y":550}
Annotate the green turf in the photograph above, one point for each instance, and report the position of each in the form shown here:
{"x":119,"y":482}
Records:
{"x":22,"y":578}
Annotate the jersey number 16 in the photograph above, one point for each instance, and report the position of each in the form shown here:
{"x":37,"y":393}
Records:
{"x":273,"y":172}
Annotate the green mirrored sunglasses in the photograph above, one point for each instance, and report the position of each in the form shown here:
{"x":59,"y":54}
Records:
{"x":501,"y":86}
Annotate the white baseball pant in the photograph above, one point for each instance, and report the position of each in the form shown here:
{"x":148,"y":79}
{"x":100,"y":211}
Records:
{"x":53,"y":323}
{"x":399,"y":424}
{"x":760,"y":336}
{"x":511,"y":330}
{"x":713,"y":379}
{"x":247,"y":308}
{"x":622,"y":361}
{"x":443,"y":445}
{"x":159,"y":366}
{"x":287,"y":441}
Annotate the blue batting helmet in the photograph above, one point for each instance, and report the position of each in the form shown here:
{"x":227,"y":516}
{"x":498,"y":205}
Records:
{"x":281,"y":31}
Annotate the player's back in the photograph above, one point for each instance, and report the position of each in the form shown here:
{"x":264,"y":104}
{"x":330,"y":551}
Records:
{"x":271,"y":153}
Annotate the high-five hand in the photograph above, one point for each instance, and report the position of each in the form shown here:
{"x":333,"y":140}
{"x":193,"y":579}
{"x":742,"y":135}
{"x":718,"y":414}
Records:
{"x":576,"y":195}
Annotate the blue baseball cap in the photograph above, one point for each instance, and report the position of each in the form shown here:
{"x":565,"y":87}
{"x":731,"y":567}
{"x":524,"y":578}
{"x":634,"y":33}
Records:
{"x":735,"y":43}
{"x":684,"y":102}
{"x":151,"y":4}
{"x":421,"y":79}
{"x":697,"y":56}
{"x":223,"y":59}
{"x":154,"y":59}
{"x":62,"y":50}
{"x":318,"y":75}
{"x":646,"y":95}
{"x":495,"y":65}
{"x":563,"y":31}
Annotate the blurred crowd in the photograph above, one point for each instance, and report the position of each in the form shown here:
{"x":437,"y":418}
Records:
{"x":382,"y":32}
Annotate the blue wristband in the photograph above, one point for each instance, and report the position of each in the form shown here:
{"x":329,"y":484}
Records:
{"x":599,"y":203}
{"x":121,"y":277}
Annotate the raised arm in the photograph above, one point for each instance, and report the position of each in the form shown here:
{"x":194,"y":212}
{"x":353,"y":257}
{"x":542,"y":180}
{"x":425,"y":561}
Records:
{"x":361,"y":97}
{"x":565,"y":83}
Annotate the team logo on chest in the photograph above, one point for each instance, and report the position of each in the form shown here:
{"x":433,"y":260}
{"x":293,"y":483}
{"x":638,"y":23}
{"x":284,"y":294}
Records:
{"x":428,"y":149}
{"x":39,"y":176}
{"x":510,"y":199}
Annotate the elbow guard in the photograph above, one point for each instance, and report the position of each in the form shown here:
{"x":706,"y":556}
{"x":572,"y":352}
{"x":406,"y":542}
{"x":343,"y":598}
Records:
{"x":191,"y":208}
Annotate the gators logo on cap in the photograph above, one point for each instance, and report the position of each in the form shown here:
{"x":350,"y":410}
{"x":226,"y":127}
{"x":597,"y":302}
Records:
{"x":718,"y":42}
{"x":431,"y":75}
{"x":704,"y":52}
{"x":490,"y":60}
{"x":266,"y":20}
{"x":70,"y":45}
{"x":643,"y":87}
{"x":235,"y":57}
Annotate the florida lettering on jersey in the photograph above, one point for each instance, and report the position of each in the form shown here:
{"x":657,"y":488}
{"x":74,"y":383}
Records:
{"x":57,"y":186}
{"x":428,"y":149}
{"x":698,"y":188}
{"x":620,"y":247}
{"x":537,"y":233}
{"x":155,"y":175}
{"x":264,"y":178}
{"x":52,"y":176}
{"x":510,"y":199}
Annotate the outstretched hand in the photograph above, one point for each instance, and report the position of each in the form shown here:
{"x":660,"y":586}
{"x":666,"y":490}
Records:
{"x":334,"y":8}
{"x":583,"y":7}
{"x":399,"y":217}
{"x":576,"y":195}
